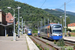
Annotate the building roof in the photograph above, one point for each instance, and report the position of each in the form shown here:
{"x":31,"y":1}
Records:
{"x":9,"y":18}
{"x":72,"y":24}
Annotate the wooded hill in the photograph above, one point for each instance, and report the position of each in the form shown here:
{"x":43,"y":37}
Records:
{"x":28,"y":12}
{"x":59,"y":12}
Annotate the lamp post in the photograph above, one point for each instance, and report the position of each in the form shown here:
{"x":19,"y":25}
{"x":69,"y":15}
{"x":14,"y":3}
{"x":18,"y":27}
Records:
{"x":14,"y":34}
{"x":22,"y":24}
{"x":65,"y":16}
{"x":18,"y":21}
{"x":60,"y":19}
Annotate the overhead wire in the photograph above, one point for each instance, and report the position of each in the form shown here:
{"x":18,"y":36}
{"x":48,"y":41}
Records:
{"x":43,"y":3}
{"x":66,"y":3}
{"x":69,"y":1}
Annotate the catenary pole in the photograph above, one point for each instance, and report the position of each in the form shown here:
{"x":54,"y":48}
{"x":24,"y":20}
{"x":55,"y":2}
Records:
{"x":65,"y":16}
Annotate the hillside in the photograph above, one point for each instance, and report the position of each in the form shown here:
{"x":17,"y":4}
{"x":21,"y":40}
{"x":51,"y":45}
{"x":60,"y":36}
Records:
{"x":68,"y":12}
{"x":28,"y":12}
{"x":59,"y":13}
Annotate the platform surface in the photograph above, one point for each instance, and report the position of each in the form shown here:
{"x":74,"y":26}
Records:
{"x":69,"y":38}
{"x":22,"y":43}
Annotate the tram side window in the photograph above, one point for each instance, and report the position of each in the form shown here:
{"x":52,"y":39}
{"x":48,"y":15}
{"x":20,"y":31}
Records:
{"x":42,"y":30}
{"x":46,"y":31}
{"x":50,"y":30}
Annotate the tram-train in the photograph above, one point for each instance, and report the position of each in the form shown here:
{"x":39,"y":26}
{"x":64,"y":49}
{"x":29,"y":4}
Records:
{"x":51,"y":31}
{"x":29,"y":32}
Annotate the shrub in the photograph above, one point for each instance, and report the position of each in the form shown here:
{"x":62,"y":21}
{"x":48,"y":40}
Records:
{"x":54,"y":42}
{"x":74,"y":46}
{"x":61,"y":42}
{"x":69,"y":29}
{"x":73,"y":30}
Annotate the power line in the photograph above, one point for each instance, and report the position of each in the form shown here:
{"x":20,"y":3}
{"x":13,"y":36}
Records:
{"x":69,"y":1}
{"x":43,"y":3}
{"x":66,"y":3}
{"x":61,"y":6}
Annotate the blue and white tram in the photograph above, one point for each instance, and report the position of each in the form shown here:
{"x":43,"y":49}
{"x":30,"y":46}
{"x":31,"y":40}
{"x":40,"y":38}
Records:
{"x":29,"y":32}
{"x":51,"y":31}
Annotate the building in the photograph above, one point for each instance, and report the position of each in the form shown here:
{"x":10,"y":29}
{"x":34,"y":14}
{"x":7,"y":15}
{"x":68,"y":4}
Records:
{"x":9,"y":18}
{"x":5,"y":28}
{"x":2,"y":17}
{"x":71,"y":26}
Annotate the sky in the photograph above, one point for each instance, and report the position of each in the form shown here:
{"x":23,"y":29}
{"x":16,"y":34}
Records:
{"x":51,"y":4}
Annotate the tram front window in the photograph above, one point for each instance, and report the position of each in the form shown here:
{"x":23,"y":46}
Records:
{"x":57,"y":31}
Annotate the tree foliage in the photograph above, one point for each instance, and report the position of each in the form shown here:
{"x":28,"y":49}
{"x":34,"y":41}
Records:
{"x":28,"y":12}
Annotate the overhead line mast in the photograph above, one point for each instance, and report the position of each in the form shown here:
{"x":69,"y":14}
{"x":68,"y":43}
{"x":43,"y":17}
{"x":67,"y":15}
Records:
{"x":65,"y":16}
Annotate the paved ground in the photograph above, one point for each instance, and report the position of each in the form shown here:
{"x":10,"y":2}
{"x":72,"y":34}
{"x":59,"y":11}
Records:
{"x":69,"y":38}
{"x":7,"y":43}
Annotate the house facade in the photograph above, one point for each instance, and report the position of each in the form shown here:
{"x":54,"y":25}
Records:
{"x":71,"y":26}
{"x":9,"y":18}
{"x":5,"y":28}
{"x":2,"y":17}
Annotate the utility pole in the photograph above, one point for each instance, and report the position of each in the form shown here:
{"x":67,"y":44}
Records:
{"x":18,"y":22}
{"x":41,"y":22}
{"x":44,"y":24}
{"x":48,"y":20}
{"x":65,"y":16}
{"x":44,"y":21}
{"x":14,"y":34}
{"x":22,"y":25}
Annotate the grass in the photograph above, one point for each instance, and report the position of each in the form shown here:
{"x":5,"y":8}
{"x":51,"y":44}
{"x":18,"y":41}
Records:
{"x":46,"y":48}
{"x":67,"y":47}
{"x":39,"y":46}
{"x":53,"y":48}
{"x":46,"y":43}
{"x":73,"y":35}
{"x":41,"y":37}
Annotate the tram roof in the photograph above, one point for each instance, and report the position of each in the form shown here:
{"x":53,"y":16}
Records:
{"x":51,"y":25}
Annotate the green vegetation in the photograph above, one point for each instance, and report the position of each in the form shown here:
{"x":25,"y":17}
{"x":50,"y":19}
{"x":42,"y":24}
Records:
{"x":53,"y":48}
{"x":74,"y":46}
{"x":39,"y":46}
{"x":61,"y":42}
{"x":54,"y":41}
{"x":35,"y":34}
{"x":58,"y":14}
{"x":46,"y":48}
{"x":29,"y":13}
{"x":73,"y":30}
{"x":67,"y":47}
{"x":69,"y":29}
{"x":46,"y":43}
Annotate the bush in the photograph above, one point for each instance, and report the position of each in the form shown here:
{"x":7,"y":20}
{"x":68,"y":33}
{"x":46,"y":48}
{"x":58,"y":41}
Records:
{"x":34,"y":30}
{"x":61,"y":42}
{"x":73,"y":30}
{"x":74,"y":46}
{"x":69,"y":29}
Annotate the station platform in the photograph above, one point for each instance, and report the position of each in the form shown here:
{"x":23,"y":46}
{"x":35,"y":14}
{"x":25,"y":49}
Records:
{"x":69,"y":38}
{"x":22,"y":43}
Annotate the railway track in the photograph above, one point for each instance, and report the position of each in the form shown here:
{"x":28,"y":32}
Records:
{"x":69,"y":43}
{"x":45,"y":44}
